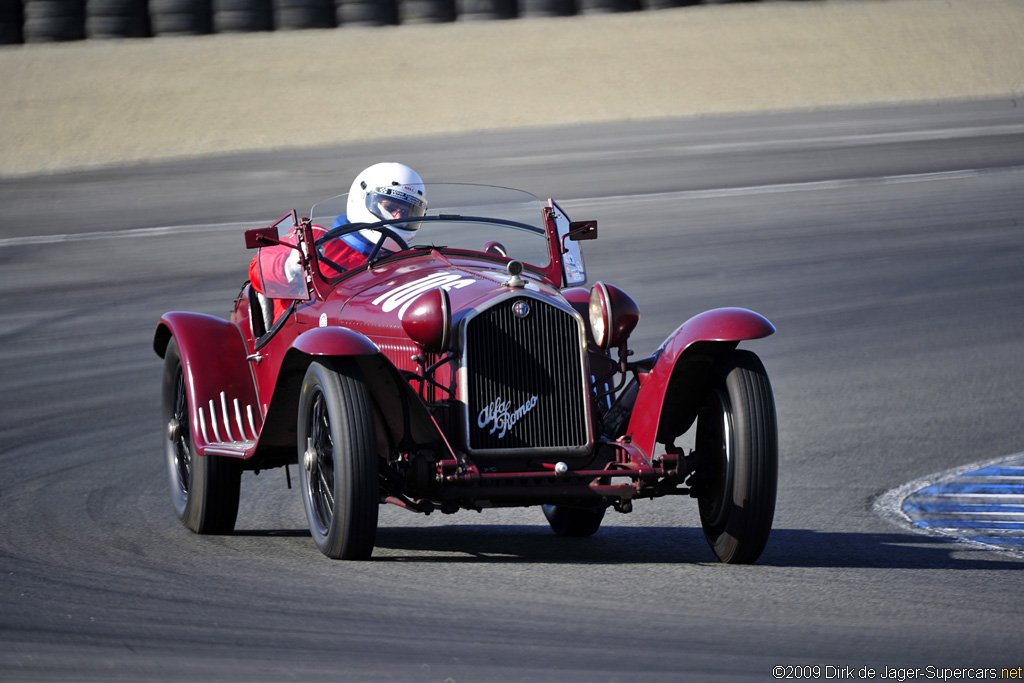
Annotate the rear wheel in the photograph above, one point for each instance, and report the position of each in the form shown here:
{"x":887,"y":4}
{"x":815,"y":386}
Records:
{"x":737,"y":444}
{"x":204,"y":489}
{"x":338,"y":465}
{"x":574,"y":522}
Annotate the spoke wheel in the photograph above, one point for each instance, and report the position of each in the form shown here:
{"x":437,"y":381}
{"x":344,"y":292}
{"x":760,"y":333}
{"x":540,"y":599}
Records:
{"x":204,"y":489}
{"x":320,"y":483}
{"x":338,"y":466}
{"x":737,"y":443}
{"x":182,"y":445}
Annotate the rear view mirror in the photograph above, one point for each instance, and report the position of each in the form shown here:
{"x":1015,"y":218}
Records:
{"x":265,"y":237}
{"x":582,"y":230}
{"x":261,"y":237}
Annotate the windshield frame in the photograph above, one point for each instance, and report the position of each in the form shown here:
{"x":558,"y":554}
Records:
{"x":449,"y":203}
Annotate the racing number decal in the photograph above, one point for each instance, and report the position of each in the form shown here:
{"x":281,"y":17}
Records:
{"x":404,"y":295}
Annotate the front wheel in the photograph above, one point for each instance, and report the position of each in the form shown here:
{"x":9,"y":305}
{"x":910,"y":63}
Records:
{"x":204,"y":489}
{"x":737,"y":446}
{"x":338,"y":466}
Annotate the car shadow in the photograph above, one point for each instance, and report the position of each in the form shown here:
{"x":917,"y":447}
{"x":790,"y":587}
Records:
{"x":272,"y":533}
{"x":496,"y":543}
{"x":654,"y":545}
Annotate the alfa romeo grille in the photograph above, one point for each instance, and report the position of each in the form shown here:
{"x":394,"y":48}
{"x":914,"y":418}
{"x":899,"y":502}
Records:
{"x":525,"y":385}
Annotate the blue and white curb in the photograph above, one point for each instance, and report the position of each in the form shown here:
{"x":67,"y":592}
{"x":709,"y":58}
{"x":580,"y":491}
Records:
{"x":981,"y":504}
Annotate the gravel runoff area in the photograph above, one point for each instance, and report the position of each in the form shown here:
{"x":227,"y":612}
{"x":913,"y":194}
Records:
{"x":94,"y":103}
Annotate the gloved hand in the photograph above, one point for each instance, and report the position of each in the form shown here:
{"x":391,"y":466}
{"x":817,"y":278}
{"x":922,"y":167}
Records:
{"x":292,"y":267}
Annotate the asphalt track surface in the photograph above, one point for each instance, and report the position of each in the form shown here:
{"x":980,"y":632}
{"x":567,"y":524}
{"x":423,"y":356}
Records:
{"x":886,"y":245}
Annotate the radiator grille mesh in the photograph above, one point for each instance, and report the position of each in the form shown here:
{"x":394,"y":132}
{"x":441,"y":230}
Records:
{"x":525,"y":383}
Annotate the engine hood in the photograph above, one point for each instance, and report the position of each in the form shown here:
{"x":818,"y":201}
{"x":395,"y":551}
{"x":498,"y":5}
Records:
{"x":379,"y":297}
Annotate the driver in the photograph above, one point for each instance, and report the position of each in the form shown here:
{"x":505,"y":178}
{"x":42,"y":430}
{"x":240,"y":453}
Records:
{"x":384,"y":191}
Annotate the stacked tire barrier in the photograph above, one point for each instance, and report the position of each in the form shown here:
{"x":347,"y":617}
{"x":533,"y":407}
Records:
{"x":366,"y":12}
{"x":475,"y":10}
{"x":301,"y":14}
{"x":242,"y":16}
{"x":40,"y":21}
{"x":47,"y":21}
{"x":606,"y":6}
{"x":181,"y":17}
{"x":116,"y":19}
{"x":426,"y":11}
{"x":547,"y":8}
{"x":666,"y":4}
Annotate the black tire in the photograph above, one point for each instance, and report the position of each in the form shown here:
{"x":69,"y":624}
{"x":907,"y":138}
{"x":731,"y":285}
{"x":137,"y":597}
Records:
{"x":204,"y":489}
{"x":181,"y":24}
{"x":369,"y":13}
{"x":667,"y":4}
{"x":104,"y":27}
{"x":737,"y":442}
{"x":477,"y":10}
{"x":547,"y":8}
{"x":47,"y":9}
{"x":116,"y":19}
{"x":607,"y":6}
{"x":241,"y":22}
{"x":338,"y":466}
{"x":181,"y":17}
{"x":574,"y":522}
{"x":11,"y":22}
{"x":298,"y":18}
{"x":242,"y":16}
{"x":426,"y":11}
{"x":303,"y":14}
{"x":54,"y":20}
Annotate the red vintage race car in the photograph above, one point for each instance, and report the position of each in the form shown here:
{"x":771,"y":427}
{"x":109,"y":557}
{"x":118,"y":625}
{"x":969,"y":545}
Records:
{"x":470,"y":369}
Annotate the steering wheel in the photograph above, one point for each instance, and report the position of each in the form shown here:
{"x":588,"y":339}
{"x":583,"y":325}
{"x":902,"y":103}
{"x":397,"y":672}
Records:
{"x":386,"y":233}
{"x":385,"y":230}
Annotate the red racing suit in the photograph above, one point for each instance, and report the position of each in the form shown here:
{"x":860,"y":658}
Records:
{"x":268,"y":265}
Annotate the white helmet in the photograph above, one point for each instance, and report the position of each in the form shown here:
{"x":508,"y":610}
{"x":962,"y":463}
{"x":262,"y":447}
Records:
{"x":387,"y":191}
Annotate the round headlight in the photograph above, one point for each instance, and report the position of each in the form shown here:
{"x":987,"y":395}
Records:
{"x":599,"y":314}
{"x":428,"y":321}
{"x":613,"y":315}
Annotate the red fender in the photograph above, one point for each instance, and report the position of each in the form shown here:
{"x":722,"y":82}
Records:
{"x":648,"y":422}
{"x":277,"y":442}
{"x":213,"y":356}
{"x":405,"y":417}
{"x":334,"y":341}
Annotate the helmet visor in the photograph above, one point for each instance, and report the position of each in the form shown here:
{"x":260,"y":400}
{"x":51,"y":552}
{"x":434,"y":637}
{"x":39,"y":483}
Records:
{"x":389,"y":203}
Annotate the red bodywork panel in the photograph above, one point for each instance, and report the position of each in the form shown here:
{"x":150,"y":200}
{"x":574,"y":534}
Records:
{"x":372,"y":302}
{"x":727,"y":326}
{"x":361,"y":317}
{"x":334,"y":341}
{"x":213,"y":356}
